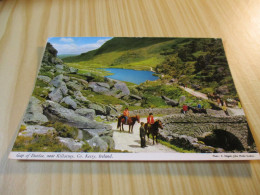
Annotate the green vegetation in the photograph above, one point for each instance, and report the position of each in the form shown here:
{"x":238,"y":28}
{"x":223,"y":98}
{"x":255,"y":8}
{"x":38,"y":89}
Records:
{"x":176,"y":148}
{"x":101,"y":98}
{"x":64,"y":130}
{"x":86,"y":147}
{"x":39,"y":143}
{"x":41,"y":90}
{"x":66,"y":55}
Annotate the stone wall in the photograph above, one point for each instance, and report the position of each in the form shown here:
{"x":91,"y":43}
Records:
{"x":196,"y":125}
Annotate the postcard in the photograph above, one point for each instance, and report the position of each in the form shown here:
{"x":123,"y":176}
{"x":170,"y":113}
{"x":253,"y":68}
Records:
{"x":134,"y":99}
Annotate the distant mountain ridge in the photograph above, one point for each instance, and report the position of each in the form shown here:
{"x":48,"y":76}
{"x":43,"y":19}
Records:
{"x":118,"y":44}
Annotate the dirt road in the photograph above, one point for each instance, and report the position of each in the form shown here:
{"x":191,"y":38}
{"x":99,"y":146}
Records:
{"x":131,"y":141}
{"x":195,"y":93}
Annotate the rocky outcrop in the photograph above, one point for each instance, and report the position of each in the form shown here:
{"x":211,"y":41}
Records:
{"x":58,"y":93}
{"x":73,"y":70}
{"x":86,"y":112}
{"x":99,"y":87}
{"x":235,"y":112}
{"x":36,"y":129}
{"x":98,"y":144}
{"x":122,"y":87}
{"x":34,"y":112}
{"x":55,"y":112}
{"x":72,"y":144}
{"x":57,"y":81}
{"x":190,"y":143}
{"x":170,"y":101}
{"x":69,"y":102}
{"x":44,"y":78}
{"x":135,"y":97}
{"x":74,"y":85}
{"x":100,"y":110}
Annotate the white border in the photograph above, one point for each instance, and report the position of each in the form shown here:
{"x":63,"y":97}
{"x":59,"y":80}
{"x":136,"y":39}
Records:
{"x":81,"y":156}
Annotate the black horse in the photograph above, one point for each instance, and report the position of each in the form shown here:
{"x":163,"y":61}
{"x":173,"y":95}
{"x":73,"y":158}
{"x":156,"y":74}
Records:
{"x":153,"y":129}
{"x":196,"y":110}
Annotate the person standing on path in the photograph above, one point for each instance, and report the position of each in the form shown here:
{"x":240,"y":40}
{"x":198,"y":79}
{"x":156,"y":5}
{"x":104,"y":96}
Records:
{"x":142,"y":135}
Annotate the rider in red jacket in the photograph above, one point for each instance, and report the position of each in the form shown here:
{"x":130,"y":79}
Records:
{"x":150,"y":119}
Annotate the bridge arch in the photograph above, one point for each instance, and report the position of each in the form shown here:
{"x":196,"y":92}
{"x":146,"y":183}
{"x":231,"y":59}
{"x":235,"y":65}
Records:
{"x":221,"y":138}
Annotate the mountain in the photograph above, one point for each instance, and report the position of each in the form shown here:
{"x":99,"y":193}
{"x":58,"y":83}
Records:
{"x":61,"y":56}
{"x":199,"y":63}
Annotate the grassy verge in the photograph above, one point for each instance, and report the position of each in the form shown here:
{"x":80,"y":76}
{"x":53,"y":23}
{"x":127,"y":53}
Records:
{"x":176,"y":148}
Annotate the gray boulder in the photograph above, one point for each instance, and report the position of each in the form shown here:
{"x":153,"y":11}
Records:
{"x":59,"y":66}
{"x":44,"y":78}
{"x":34,"y":112}
{"x":136,"y":97}
{"x":73,"y":70}
{"x":57,"y":81}
{"x":109,"y":140}
{"x":66,"y":78}
{"x":235,"y":112}
{"x":98,"y":109}
{"x":110,"y":110}
{"x":170,"y":101}
{"x":89,"y":113}
{"x":55,"y":112}
{"x":58,"y":93}
{"x":78,"y":95}
{"x":69,"y":101}
{"x":98,"y":144}
{"x":74,"y":85}
{"x":99,"y":87}
{"x":36,"y":129}
{"x":84,"y":135}
{"x":72,"y":144}
{"x":122,"y":87}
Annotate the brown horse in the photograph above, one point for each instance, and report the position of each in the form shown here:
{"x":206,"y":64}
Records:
{"x":153,"y":129}
{"x":130,"y":121}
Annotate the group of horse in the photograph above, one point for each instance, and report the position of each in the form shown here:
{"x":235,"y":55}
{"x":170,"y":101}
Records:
{"x":152,"y":129}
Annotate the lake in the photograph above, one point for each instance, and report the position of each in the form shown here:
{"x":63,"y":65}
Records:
{"x":129,"y":75}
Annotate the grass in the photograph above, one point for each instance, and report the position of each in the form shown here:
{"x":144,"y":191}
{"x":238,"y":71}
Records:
{"x":176,"y":148}
{"x":39,"y":143}
{"x":64,"y":130}
{"x":101,"y":99}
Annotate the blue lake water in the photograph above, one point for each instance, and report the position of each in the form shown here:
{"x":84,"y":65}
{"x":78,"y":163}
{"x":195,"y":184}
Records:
{"x":129,"y":75}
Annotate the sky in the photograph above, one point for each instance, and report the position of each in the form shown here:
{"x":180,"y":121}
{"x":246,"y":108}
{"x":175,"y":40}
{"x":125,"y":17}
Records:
{"x":77,"y":45}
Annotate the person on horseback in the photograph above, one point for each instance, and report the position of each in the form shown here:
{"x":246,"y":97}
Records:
{"x":150,"y":119}
{"x":185,"y":108}
{"x":126,"y":114}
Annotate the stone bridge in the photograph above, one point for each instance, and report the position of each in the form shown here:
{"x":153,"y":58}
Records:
{"x":235,"y":128}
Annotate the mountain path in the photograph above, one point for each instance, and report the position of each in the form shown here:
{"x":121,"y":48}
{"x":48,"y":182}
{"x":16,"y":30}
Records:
{"x":195,"y":93}
{"x":132,"y":143}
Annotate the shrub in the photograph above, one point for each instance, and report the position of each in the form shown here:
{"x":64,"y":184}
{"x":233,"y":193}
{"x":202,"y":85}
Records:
{"x":64,"y":130}
{"x":39,"y":143}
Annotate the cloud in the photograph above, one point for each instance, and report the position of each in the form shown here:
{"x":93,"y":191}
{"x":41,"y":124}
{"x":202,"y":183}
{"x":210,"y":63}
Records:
{"x":72,"y":48}
{"x":66,"y":40}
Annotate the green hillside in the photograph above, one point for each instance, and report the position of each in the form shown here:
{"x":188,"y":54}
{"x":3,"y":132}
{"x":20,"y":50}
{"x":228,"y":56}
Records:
{"x":195,"y":62}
